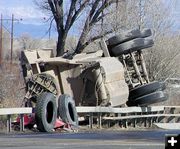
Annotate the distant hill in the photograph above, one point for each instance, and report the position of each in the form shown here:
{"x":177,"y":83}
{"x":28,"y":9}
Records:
{"x":36,"y":31}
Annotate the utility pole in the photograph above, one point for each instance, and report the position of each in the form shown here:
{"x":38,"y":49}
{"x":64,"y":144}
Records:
{"x":12,"y":36}
{"x":1,"y":39}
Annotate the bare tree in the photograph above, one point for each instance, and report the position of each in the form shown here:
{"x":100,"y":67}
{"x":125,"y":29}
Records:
{"x":161,"y":59}
{"x":27,"y":42}
{"x":67,"y":13}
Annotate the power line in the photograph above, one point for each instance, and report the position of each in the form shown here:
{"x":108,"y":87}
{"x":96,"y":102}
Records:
{"x":12,"y":35}
{"x":1,"y":44}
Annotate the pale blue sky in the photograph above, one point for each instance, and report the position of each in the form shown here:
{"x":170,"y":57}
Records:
{"x":24,"y":9}
{"x":28,"y":11}
{"x":30,"y":14}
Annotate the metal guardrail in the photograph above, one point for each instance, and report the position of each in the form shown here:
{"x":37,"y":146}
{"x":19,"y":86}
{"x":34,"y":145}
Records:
{"x":12,"y":111}
{"x":171,"y":126}
{"x":133,"y":115}
{"x":99,"y":109}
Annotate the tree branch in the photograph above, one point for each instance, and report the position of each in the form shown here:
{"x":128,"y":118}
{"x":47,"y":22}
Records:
{"x":77,"y":12}
{"x":43,"y":6}
{"x":100,"y":18}
{"x":90,"y":21}
{"x":59,"y":13}
{"x":51,"y":4}
{"x":70,"y":14}
{"x":96,"y":38}
{"x":94,"y":7}
{"x":101,"y":9}
{"x":50,"y":24}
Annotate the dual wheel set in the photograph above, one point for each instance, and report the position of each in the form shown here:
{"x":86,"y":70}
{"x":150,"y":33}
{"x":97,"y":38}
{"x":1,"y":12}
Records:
{"x":47,"y":111}
{"x":128,"y":46}
{"x":147,"y":94}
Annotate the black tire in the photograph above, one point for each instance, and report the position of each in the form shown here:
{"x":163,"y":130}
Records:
{"x":146,"y":89}
{"x":146,"y":33}
{"x":148,"y":99}
{"x":127,"y":36}
{"x":67,"y":110}
{"x":131,"y":46}
{"x":46,"y":112}
{"x":123,"y":37}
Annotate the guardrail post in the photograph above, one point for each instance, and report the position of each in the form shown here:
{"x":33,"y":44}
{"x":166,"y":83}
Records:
{"x":135,"y":121}
{"x":8,"y":123}
{"x":145,"y":122}
{"x":21,"y":122}
{"x":171,"y":119}
{"x":172,"y":110}
{"x":151,"y":122}
{"x":91,"y":120}
{"x":161,"y":119}
{"x":99,"y":120}
{"x":177,"y":120}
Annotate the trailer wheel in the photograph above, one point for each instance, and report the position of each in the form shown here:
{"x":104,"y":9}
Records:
{"x":127,"y":36}
{"x":146,"y":33}
{"x":46,"y":112}
{"x":123,"y":37}
{"x":131,"y":46}
{"x":148,"y":99}
{"x":67,"y":109}
{"x":145,"y":89}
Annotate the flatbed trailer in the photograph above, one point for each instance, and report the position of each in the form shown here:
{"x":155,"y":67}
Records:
{"x":113,"y":76}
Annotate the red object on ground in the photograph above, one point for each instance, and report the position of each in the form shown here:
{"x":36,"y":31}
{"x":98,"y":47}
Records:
{"x":59,"y":124}
{"x":28,"y":119}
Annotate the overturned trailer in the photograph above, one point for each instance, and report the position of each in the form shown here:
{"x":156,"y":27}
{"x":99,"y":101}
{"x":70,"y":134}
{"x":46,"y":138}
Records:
{"x":114,"y":76}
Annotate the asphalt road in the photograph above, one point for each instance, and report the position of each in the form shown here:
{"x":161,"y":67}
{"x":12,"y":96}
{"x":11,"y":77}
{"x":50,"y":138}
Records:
{"x":87,"y":140}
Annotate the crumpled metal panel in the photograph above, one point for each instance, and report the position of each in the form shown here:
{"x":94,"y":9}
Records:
{"x":117,"y":88}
